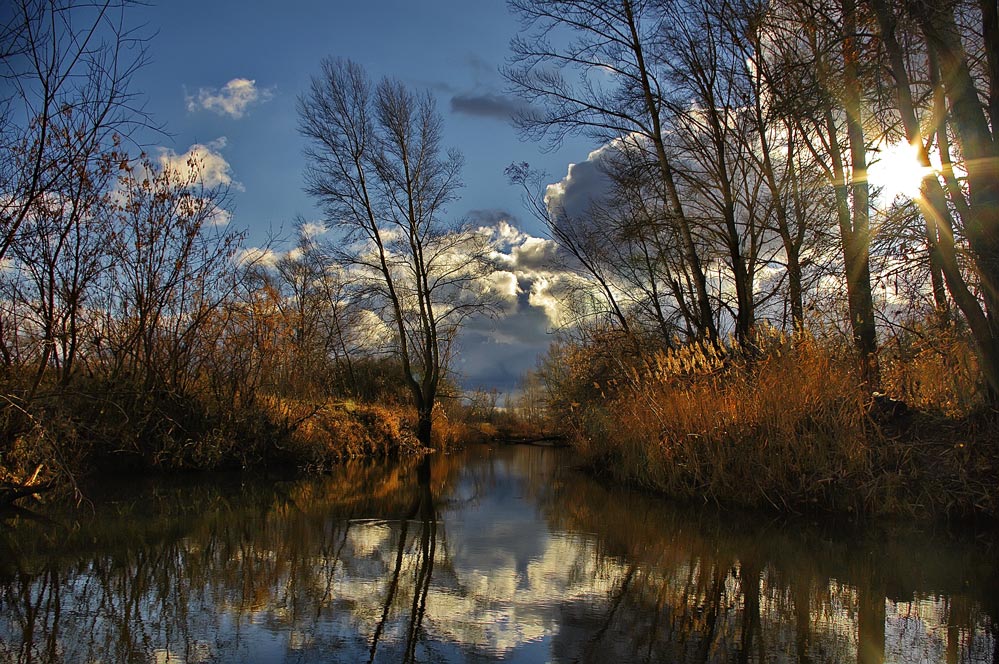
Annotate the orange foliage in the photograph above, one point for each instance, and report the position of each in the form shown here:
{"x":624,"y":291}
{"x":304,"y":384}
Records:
{"x":330,"y":432}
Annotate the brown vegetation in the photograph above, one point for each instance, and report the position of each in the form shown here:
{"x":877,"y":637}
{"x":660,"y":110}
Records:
{"x":786,"y":425}
{"x":136,"y":329}
{"x":331,"y":432}
{"x":740,"y":141}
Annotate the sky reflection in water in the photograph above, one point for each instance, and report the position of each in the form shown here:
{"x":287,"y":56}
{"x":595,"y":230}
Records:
{"x":502,"y":554}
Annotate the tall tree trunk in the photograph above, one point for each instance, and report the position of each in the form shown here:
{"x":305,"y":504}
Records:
{"x":705,"y":319}
{"x":932,"y":201}
{"x":981,"y":154}
{"x":424,"y":424}
{"x":857,"y":242}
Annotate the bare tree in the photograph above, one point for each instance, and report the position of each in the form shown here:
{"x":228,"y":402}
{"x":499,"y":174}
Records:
{"x":58,"y":256}
{"x":816,"y":70}
{"x":66,"y":67}
{"x":954,"y":208}
{"x":619,"y":92}
{"x":316,"y":306}
{"x":171,"y":272}
{"x":376,"y":164}
{"x":707,"y":121}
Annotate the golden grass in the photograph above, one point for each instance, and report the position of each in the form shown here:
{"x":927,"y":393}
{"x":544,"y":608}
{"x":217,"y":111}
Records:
{"x":322,"y":434}
{"x":787,"y":425}
{"x":449,"y":432}
{"x":932,"y":366}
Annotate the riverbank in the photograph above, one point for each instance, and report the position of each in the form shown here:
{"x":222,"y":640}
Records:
{"x":788,"y":428}
{"x":936,"y":469}
{"x":58,"y":447}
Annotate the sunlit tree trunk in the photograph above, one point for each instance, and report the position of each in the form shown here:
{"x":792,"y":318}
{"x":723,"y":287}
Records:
{"x":857,"y":236}
{"x":981,"y":161}
{"x":939,"y":226}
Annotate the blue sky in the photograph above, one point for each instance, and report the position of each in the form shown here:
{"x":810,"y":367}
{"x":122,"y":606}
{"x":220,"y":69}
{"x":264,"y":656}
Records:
{"x":452,"y":48}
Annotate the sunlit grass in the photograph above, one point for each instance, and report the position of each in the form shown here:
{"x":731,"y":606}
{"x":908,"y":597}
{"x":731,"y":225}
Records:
{"x":786,"y":424}
{"x":320,"y":434}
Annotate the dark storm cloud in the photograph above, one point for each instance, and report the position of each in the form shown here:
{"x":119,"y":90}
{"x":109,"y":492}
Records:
{"x":535,"y":254}
{"x":486,"y":105}
{"x":491,"y":217}
{"x":529,"y":280}
{"x":498,"y":352}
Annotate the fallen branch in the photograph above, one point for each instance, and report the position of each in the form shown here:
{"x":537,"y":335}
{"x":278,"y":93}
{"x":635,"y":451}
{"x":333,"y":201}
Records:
{"x":10,"y":492}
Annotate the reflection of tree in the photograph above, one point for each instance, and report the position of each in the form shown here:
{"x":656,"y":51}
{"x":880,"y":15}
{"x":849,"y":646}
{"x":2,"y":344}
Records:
{"x":718,"y":587}
{"x":370,"y":563}
{"x":274,"y":554}
{"x":619,"y":596}
{"x":870,"y":616}
{"x":423,"y":505}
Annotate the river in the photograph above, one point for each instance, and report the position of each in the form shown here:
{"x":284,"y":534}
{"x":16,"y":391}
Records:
{"x":489,"y":554}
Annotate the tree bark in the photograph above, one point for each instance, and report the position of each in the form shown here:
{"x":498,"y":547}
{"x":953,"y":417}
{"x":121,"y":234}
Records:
{"x":981,"y":154}
{"x":857,"y":241}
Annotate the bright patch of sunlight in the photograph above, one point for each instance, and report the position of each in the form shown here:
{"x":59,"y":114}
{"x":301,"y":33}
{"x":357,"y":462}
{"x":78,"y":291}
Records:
{"x":897,"y":171}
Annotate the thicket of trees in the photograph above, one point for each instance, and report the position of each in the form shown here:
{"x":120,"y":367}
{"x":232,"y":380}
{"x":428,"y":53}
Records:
{"x":748,"y":295}
{"x":136,"y":327}
{"x":738,"y":139}
{"x":737,"y":134}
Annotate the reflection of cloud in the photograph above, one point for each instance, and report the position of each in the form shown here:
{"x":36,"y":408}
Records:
{"x":231,"y":99}
{"x":365,"y":539}
{"x":498,"y":576}
{"x":196,"y":653}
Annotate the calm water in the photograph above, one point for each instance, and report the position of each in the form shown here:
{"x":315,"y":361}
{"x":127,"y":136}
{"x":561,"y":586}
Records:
{"x":503,"y":554}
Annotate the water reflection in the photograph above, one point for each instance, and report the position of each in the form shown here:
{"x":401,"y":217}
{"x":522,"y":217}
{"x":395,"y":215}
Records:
{"x":486,"y":555}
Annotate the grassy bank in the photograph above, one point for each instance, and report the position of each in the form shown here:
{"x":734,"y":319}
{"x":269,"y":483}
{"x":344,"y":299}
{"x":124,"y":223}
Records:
{"x":787,"y":425}
{"x":57,"y":442}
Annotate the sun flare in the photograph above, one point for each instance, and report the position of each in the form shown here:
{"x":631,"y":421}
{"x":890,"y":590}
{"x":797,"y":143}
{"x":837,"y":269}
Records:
{"x":897,"y":171}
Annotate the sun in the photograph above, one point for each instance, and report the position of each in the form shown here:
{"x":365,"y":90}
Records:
{"x":897,"y":171}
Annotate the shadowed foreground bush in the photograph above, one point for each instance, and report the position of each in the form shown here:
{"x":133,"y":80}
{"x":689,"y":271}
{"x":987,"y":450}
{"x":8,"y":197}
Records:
{"x":786,"y":426}
{"x":74,"y":435}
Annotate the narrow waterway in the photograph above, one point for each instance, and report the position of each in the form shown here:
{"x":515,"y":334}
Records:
{"x":503,"y":554}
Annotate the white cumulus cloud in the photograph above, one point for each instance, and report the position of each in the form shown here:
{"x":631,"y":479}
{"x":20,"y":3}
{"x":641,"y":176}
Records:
{"x":205,"y":162}
{"x":258,"y":256}
{"x":220,"y":217}
{"x":231,"y":99}
{"x":313,"y":229}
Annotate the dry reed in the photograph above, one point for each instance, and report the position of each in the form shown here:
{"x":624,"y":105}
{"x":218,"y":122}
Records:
{"x":786,"y":424}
